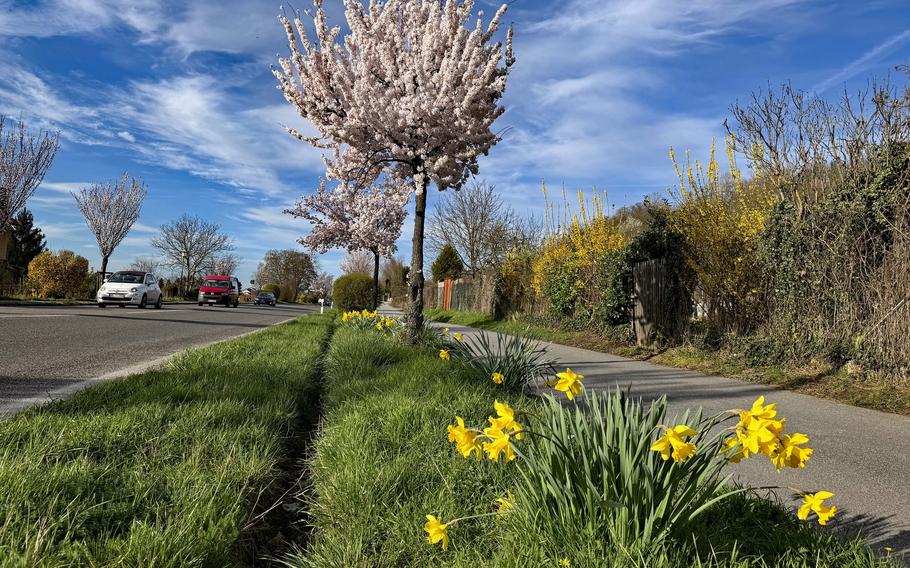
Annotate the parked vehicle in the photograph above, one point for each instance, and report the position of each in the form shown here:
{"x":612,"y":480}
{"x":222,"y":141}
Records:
{"x":223,"y":290}
{"x":265,"y":298}
{"x":130,"y":288}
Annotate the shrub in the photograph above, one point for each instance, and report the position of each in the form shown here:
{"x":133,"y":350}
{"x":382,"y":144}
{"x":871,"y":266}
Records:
{"x":353,"y":292}
{"x":60,"y":275}
{"x":273,"y":289}
{"x":722,"y":222}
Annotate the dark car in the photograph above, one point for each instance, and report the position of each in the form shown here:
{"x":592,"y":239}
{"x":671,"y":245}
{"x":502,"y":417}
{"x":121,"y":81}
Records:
{"x":265,"y":298}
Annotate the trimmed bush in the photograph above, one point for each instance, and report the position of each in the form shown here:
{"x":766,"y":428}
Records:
{"x":353,"y":292}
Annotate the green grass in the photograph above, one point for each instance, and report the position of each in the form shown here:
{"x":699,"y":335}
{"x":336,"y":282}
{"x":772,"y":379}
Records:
{"x":382,"y":462}
{"x":878,"y":391}
{"x":164,"y":468}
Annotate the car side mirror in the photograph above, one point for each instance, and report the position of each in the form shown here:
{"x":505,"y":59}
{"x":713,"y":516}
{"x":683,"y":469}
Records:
{"x":104,"y":281}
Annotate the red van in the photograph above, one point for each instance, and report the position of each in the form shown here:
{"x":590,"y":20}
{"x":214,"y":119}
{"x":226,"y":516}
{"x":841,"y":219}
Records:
{"x":223,"y":290}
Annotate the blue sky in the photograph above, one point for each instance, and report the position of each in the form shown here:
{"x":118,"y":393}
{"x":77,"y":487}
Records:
{"x":180,"y":94}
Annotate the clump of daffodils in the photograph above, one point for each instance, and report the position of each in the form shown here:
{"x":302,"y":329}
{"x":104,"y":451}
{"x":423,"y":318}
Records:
{"x":759,"y":431}
{"x":365,"y":319}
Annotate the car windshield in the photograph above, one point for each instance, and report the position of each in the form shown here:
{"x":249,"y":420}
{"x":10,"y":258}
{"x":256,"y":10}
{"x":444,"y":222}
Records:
{"x":265,"y":295}
{"x":126,"y":278}
{"x":216,"y":284}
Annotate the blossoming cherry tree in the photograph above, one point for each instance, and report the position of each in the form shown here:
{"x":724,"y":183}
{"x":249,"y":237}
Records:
{"x":410,"y":87}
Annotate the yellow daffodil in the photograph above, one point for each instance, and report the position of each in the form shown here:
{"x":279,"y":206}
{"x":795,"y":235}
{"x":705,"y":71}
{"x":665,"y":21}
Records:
{"x":504,"y":505}
{"x":738,"y":455}
{"x":498,"y":378}
{"x":505,"y":419}
{"x":457,"y":336}
{"x":790,"y":454}
{"x":815,"y":502}
{"x":467,"y":441}
{"x":500,"y":443}
{"x":379,"y":325}
{"x":760,"y":436}
{"x":569,"y":383}
{"x":436,"y":532}
{"x":759,"y":411}
{"x":445,"y":330}
{"x":444,"y":354}
{"x":564,"y":562}
{"x":672,"y":444}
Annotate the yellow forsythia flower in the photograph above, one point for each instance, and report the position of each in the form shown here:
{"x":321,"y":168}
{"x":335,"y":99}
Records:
{"x":457,"y":335}
{"x":815,"y":502}
{"x":672,"y":444}
{"x":569,"y":383}
{"x":498,"y":378}
{"x":436,"y":532}
{"x":444,"y":354}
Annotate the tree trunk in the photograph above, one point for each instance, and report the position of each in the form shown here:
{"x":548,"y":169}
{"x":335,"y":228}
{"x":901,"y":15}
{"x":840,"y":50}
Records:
{"x":103,"y":268}
{"x":413,"y":314}
{"x":375,"y":279}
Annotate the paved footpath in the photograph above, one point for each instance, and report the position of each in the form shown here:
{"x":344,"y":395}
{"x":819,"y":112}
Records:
{"x":863,"y":456}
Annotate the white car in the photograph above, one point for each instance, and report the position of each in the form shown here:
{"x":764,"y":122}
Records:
{"x":130,"y":288}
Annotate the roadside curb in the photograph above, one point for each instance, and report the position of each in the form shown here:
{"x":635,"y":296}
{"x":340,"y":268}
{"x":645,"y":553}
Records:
{"x":11,"y":408}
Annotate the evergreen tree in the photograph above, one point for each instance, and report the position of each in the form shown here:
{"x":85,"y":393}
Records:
{"x":26,"y":241}
{"x":448,"y":264}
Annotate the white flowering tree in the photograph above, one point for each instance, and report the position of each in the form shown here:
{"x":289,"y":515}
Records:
{"x":110,"y":210}
{"x":410,"y":88}
{"x":355,"y":219}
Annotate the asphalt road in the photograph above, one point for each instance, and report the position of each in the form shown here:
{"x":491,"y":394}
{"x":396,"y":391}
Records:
{"x":861,"y":455}
{"x":48,"y":352}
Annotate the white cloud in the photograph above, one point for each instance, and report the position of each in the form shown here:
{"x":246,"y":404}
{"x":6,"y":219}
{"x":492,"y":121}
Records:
{"x":863,"y":62}
{"x":188,"y":123}
{"x":125,"y":135}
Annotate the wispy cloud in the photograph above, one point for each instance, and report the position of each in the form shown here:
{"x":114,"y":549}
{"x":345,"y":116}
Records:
{"x":863,"y":62}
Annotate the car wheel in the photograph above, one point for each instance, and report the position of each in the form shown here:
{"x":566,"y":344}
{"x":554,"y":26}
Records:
{"x":236,"y":303}
{"x":102,"y":305}
{"x":142,"y":302}
{"x":159,"y":302}
{"x":200,"y":304}
{"x":121,"y":305}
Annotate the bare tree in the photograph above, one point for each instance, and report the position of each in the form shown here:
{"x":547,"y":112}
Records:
{"x":225,"y":264}
{"x":323,"y":284}
{"x":24,"y":159}
{"x":357,"y":262}
{"x":476,"y":222}
{"x":292,"y":270}
{"x":189,"y":243}
{"x":110,"y":209}
{"x":804,"y":145}
{"x":146,"y":264}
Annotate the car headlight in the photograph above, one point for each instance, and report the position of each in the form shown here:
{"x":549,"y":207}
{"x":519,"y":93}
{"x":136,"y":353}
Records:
{"x":134,"y":289}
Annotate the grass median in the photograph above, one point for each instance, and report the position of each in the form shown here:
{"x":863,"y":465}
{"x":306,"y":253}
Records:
{"x":164,"y":468}
{"x":382,"y":462}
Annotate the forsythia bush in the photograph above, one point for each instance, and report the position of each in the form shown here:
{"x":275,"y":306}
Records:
{"x":574,"y":259}
{"x":722,"y":221}
{"x":60,"y":275}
